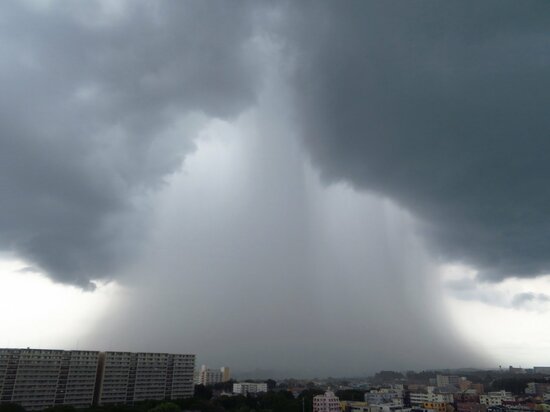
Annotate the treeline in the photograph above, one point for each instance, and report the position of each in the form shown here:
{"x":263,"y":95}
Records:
{"x":279,"y":401}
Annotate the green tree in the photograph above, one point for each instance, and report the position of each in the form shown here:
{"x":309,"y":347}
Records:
{"x":61,"y":408}
{"x":203,"y":392}
{"x":11,"y":407}
{"x":271,"y":384}
{"x":166,"y":407}
{"x":351,"y":395}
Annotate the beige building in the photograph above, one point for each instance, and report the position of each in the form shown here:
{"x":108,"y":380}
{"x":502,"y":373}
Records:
{"x":430,"y":396}
{"x":206,"y":376}
{"x":226,"y":374}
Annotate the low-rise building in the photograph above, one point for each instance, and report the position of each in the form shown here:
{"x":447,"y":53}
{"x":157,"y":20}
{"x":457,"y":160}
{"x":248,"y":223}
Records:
{"x":445,"y":380}
{"x":430,"y":395}
{"x":435,"y":406}
{"x":328,"y":402}
{"x":388,"y":408}
{"x":465,"y":406}
{"x":354,"y":406}
{"x":206,"y":376}
{"x":496,"y":398}
{"x":128,"y":377}
{"x":384,"y":396}
{"x":542,"y":370}
{"x":537,"y":388}
{"x":245,"y":388}
{"x":226,"y":374}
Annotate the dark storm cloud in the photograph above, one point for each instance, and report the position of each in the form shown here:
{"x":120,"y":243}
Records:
{"x":98,"y":104}
{"x":250,"y":260}
{"x":442,"y":106}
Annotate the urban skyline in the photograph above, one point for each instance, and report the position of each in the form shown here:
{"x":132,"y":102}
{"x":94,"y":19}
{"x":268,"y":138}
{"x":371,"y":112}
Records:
{"x":308,"y":188}
{"x":56,"y":380}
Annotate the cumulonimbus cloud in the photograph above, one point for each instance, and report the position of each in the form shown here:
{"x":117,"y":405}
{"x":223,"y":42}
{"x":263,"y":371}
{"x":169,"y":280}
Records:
{"x":439,"y":106}
{"x":442,"y":107}
{"x":98,"y":105}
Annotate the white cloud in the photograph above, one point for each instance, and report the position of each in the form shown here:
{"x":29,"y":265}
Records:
{"x":36,"y":312}
{"x":507,"y":320}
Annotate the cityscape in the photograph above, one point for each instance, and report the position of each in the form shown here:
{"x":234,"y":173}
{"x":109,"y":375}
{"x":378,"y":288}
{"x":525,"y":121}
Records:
{"x":59,"y":380}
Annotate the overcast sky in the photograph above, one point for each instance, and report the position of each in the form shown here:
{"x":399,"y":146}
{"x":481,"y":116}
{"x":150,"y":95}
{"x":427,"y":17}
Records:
{"x":306,"y":188}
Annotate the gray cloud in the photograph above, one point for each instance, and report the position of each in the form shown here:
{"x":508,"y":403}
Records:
{"x":256,"y":265}
{"x":98,"y":105}
{"x":28,"y":269}
{"x":530,"y":299}
{"x":267,"y":268}
{"x":440,"y":106}
{"x":469,"y":289}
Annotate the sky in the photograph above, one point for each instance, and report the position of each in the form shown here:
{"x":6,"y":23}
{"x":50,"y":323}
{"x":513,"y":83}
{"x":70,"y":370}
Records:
{"x":300,"y":189}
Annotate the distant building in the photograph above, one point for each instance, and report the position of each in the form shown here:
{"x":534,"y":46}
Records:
{"x":531,"y":388}
{"x":245,"y":388}
{"x":226,"y":374}
{"x":536,"y":388}
{"x":496,"y":398}
{"x":464,"y":385}
{"x":354,"y":406}
{"x":207,"y":376}
{"x":468,"y":406}
{"x":435,"y":406}
{"x":478,"y":387}
{"x":467,"y":402}
{"x":517,"y":371}
{"x":384,"y":396}
{"x":446,"y":380}
{"x":386,"y":408}
{"x":543,"y":370}
{"x":327,"y":402}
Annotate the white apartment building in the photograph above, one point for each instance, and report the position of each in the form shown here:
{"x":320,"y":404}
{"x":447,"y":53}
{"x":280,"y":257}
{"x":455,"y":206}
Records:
{"x":245,"y":388}
{"x":77,"y":378}
{"x":327,"y":402}
{"x":128,"y":377}
{"x":207,"y":376}
{"x":430,"y":396}
{"x":495,"y":398}
{"x":544,"y":370}
{"x":446,"y":380}
{"x":39,"y":378}
{"x":531,"y":388}
{"x":384,"y":396}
